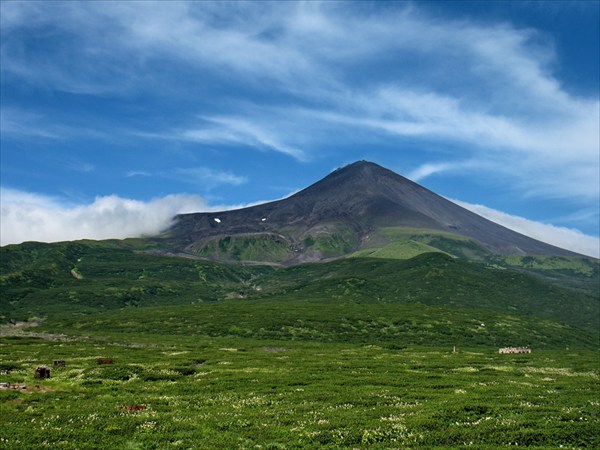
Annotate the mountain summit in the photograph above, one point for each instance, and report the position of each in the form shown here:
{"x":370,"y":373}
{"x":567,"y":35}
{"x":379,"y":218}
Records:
{"x":339,"y":215}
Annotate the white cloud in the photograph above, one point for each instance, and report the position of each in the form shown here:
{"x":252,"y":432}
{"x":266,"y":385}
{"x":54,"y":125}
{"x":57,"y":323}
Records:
{"x":22,"y":123}
{"x":259,"y":132}
{"x":426,"y":170}
{"x":208,"y":178}
{"x":15,"y":121}
{"x":568,"y":238}
{"x":202,"y":177}
{"x":345,"y":72}
{"x":33,"y":217}
{"x":138,"y":173}
{"x":561,"y":149}
{"x":241,"y":131}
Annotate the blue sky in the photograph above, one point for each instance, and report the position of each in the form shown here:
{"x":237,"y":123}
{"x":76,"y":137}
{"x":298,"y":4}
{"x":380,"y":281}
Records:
{"x":117,"y":115}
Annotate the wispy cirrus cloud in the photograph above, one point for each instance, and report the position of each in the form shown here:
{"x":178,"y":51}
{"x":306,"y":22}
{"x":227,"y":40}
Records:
{"x":428,"y":169}
{"x":514,"y":117}
{"x":203,"y":177}
{"x":15,"y":122}
{"x":230,"y":131}
{"x":312,"y":78}
{"x":138,"y":173}
{"x":20,"y":123}
{"x":489,"y":86}
{"x":495,"y":143}
{"x":208,"y":178}
{"x":233,"y":130}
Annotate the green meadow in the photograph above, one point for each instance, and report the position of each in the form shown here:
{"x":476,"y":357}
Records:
{"x":358,"y":353}
{"x":179,"y":392}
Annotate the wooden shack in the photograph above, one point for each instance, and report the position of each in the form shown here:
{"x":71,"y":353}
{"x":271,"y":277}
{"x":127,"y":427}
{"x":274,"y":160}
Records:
{"x":513,"y":350}
{"x":104,"y":361}
{"x":42,"y":372}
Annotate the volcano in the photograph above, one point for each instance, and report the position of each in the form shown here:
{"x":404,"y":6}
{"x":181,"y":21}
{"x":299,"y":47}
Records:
{"x":337,"y":216}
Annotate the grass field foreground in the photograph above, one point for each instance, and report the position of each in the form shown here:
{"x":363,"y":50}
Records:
{"x":244,"y":393}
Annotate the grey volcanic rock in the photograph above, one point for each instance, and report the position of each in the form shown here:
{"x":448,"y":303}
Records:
{"x":359,"y":198}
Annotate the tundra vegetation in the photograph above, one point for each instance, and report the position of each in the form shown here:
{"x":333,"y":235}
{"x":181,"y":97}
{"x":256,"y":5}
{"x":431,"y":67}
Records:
{"x":356,"y":353}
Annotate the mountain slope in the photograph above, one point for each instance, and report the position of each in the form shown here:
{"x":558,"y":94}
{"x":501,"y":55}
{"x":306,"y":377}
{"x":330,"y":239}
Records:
{"x":428,"y":299}
{"x":335,"y":217}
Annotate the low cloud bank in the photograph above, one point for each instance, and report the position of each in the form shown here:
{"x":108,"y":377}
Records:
{"x":33,"y":217}
{"x":562,"y":237}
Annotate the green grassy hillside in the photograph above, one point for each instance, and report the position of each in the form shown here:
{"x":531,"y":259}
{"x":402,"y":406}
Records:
{"x":436,"y":279}
{"x":392,"y":325}
{"x":264,"y":247}
{"x":37,"y":279}
{"x":429,"y":298}
{"x":576,"y":272}
{"x":365,"y":353}
{"x":404,"y":243}
{"x":320,"y":242}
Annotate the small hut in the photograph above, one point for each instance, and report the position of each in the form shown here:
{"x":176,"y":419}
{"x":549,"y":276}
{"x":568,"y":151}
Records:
{"x":104,"y":361}
{"x":42,"y":372}
{"x":513,"y":350}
